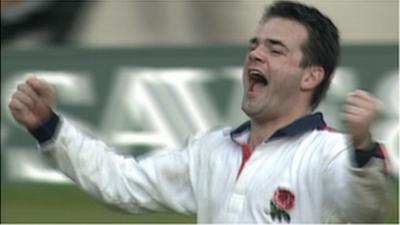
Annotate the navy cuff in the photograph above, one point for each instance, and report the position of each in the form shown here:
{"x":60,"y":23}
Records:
{"x":362,"y":156}
{"x":47,"y":130}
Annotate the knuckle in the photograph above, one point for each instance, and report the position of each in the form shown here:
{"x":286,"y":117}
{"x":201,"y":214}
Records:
{"x":351,"y":99}
{"x":14,"y":97}
{"x":361,"y":92}
{"x":12,"y":104}
{"x":18,"y":95}
{"x":31,"y":83}
{"x":20,"y":86}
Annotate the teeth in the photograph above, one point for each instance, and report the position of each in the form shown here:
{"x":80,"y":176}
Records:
{"x":255,"y":72}
{"x":257,"y":76}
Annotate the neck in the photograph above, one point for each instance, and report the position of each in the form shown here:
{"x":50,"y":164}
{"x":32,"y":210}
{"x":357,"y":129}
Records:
{"x":262,"y":130}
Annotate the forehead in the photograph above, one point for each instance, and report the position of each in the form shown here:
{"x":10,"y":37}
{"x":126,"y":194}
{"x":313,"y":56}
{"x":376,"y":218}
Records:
{"x":290,"y":32}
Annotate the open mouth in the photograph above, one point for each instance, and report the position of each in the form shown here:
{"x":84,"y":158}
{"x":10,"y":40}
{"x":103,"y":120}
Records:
{"x":257,"y":80}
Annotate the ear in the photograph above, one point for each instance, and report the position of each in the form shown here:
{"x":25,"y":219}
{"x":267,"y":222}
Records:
{"x":312,"y":78}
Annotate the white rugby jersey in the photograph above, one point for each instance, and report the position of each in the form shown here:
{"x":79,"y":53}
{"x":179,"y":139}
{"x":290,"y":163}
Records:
{"x":302,"y":174}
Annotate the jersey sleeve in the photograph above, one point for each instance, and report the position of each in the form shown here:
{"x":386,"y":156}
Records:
{"x":161,"y":182}
{"x":357,"y":193}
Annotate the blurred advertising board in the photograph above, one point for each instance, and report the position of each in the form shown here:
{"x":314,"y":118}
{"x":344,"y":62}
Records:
{"x":144,"y":99}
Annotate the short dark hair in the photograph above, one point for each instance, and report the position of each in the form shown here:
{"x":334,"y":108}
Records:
{"x":322,"y":47}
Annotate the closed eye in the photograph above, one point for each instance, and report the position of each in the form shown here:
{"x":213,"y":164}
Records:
{"x":253,"y":43}
{"x":277,"y":52}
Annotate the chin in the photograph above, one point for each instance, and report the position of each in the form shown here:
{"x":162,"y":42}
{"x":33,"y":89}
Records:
{"x":248,"y":110}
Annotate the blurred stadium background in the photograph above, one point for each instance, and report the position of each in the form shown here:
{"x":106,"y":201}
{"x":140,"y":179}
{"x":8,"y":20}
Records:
{"x":146,"y":74}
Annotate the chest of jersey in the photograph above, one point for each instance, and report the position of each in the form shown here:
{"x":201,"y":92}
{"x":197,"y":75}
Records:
{"x":250,"y":190}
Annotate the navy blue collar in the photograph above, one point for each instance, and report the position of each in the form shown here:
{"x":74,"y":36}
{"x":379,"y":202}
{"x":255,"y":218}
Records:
{"x":301,"y":125}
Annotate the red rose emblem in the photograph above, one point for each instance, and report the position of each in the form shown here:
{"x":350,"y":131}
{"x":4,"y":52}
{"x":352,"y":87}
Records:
{"x":284,"y":199}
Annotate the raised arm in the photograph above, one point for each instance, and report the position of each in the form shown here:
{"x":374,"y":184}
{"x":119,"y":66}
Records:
{"x":157,"y":183}
{"x":355,"y":179}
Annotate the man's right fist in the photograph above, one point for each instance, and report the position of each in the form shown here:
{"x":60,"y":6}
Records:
{"x":32,"y":102}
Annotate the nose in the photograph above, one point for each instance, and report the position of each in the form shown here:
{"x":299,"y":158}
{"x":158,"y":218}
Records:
{"x":256,"y":55}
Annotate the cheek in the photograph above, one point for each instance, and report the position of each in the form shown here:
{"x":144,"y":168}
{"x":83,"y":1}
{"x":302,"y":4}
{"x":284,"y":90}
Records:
{"x":244,"y":80}
{"x":287,"y":83}
{"x":244,"y":69}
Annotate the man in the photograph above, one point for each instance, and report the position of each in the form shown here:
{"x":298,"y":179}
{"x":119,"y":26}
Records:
{"x":283,"y":165}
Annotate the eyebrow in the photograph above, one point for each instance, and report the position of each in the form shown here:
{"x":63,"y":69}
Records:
{"x":269,"y":41}
{"x":276,"y":42}
{"x":253,"y":40}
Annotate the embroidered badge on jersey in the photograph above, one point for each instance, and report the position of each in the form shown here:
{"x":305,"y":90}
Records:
{"x":282,"y":202}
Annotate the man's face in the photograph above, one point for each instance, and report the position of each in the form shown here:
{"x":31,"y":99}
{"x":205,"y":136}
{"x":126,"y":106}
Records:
{"x":272,"y":72}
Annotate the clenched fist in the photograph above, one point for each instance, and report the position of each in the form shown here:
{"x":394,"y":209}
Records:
{"x":32,"y":102}
{"x":359,"y":111}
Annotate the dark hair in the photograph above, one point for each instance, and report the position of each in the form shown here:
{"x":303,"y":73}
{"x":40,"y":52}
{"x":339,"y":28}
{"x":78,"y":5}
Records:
{"x":322,"y":47}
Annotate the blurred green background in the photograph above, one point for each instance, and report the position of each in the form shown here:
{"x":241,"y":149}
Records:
{"x":41,"y":203}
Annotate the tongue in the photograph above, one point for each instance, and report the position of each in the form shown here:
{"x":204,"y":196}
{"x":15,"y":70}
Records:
{"x":257,"y":86}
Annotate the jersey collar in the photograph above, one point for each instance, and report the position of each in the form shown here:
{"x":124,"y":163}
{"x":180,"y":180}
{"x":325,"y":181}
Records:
{"x":300,"y":126}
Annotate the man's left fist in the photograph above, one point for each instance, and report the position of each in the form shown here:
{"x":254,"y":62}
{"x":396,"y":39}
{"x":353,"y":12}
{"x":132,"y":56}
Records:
{"x":359,"y":111}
